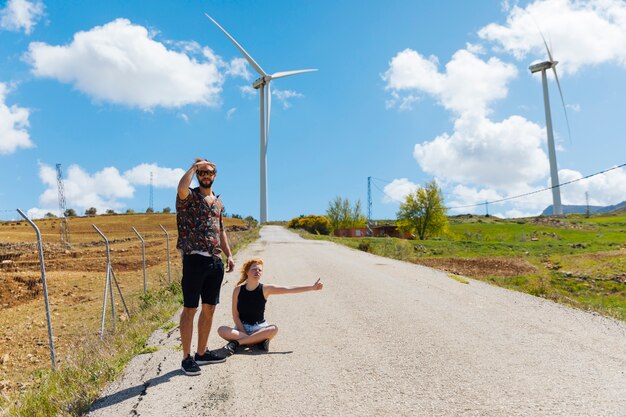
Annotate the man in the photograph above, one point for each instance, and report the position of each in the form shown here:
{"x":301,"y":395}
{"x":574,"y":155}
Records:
{"x":201,"y":240}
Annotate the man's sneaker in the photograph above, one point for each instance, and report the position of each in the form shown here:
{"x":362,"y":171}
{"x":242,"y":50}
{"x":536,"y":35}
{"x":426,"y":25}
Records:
{"x":231,"y":347}
{"x":189,"y":366}
{"x":264,"y":345}
{"x":208,"y":357}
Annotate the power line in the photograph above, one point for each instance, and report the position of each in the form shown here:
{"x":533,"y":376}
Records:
{"x":507,"y":198}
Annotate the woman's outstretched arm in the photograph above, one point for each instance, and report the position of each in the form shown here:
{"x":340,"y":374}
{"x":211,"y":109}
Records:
{"x":269,"y":289}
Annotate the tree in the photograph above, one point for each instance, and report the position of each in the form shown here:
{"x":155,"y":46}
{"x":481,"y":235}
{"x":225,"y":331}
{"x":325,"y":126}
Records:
{"x":70,"y":212}
{"x":251,"y":221}
{"x":167,"y":210}
{"x":91,"y":211}
{"x":423,"y":212}
{"x":343,"y":215}
{"x":50,"y":215}
{"x":130,"y":211}
{"x":110,"y":211}
{"x":149,"y":210}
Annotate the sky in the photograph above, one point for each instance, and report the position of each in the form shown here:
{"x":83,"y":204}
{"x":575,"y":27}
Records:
{"x":120,"y":92}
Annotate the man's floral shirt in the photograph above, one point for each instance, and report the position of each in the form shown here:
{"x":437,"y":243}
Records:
{"x":199,"y":223}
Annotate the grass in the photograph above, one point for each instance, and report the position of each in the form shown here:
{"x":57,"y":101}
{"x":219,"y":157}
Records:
{"x":572,"y":260}
{"x":458,"y":279}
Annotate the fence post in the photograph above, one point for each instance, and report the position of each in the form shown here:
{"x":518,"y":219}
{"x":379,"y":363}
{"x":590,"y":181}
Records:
{"x":45,"y":287}
{"x":143,"y":256}
{"x":167,"y":237}
{"x":107,"y":284}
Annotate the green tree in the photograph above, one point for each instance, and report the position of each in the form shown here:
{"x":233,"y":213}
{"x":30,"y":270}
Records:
{"x":149,"y":210}
{"x":91,"y":211}
{"x":423,"y":212}
{"x":167,"y":210}
{"x":343,"y":215}
{"x":50,"y":215}
{"x":110,"y":211}
{"x":70,"y":212}
{"x":130,"y":211}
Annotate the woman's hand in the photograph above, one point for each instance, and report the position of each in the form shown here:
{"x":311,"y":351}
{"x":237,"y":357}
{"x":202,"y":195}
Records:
{"x":318,"y":285}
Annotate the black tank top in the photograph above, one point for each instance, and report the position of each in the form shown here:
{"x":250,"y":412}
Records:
{"x":251,"y":305}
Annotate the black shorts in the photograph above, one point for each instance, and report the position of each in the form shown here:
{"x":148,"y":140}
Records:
{"x":202,"y":278}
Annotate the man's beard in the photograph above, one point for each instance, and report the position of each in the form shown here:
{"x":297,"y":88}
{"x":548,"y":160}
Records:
{"x":206,"y":184}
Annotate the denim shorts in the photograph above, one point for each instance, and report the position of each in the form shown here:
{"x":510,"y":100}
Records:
{"x":253,"y":328}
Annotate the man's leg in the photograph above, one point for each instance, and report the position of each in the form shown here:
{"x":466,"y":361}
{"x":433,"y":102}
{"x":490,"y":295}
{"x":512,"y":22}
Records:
{"x":205,"y":321}
{"x":186,"y":329}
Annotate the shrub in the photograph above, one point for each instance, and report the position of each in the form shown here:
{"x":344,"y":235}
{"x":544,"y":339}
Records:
{"x":311,"y":223}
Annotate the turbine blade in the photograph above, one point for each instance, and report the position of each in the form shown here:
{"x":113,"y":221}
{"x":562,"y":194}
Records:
{"x":269,"y":112}
{"x":250,"y":60}
{"x":288,"y":73}
{"x":558,"y":84}
{"x":546,"y":45}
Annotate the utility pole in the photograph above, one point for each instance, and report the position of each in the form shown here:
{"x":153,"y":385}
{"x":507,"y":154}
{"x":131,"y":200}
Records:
{"x":486,"y":208}
{"x":369,"y":206}
{"x":587,"y":212}
{"x":65,"y":225}
{"x":151,"y":203}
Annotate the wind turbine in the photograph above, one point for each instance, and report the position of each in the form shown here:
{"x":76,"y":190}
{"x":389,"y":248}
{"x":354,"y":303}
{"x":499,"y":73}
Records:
{"x":557,"y":208}
{"x":263,"y":85}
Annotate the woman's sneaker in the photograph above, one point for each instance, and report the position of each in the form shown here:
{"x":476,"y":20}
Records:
{"x":231,"y":347}
{"x":264,"y":345}
{"x":189,"y":366}
{"x":208,"y":357}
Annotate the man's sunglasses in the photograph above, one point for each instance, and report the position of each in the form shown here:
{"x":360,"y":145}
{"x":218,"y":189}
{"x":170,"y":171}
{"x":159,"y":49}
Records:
{"x":202,"y":173}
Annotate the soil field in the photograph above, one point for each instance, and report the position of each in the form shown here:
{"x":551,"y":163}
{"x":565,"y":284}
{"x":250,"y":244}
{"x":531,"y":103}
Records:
{"x":75,"y":277}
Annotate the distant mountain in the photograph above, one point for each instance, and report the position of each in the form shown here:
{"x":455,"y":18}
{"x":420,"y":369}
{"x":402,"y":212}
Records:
{"x":621,"y":207}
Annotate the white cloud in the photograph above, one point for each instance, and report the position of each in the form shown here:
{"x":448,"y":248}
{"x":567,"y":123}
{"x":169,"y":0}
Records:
{"x":13,"y":125}
{"x":247,"y":91}
{"x":238,"y":67}
{"x":105,"y":189}
{"x":469,"y":84}
{"x":283,"y":96}
{"x":230,"y":113}
{"x":161,"y":177}
{"x":397,"y":190}
{"x":604,"y":189}
{"x":102,"y":190}
{"x":21,"y":15}
{"x":580,"y":32}
{"x":121,"y":63}
{"x":503,"y":154}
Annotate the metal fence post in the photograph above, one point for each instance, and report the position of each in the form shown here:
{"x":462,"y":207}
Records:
{"x":45,"y":287}
{"x":107,"y":284}
{"x":143,"y":256}
{"x":167,"y":237}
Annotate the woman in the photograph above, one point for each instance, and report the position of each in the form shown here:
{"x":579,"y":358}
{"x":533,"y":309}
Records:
{"x":249,"y":298}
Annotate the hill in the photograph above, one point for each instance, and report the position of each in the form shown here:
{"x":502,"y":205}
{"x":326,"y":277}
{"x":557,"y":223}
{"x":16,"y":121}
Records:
{"x":572,"y":209}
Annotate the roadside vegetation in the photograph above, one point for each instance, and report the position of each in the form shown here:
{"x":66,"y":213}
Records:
{"x":572,"y":260}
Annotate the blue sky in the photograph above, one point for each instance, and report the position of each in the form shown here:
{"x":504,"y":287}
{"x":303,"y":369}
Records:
{"x":406,"y":91}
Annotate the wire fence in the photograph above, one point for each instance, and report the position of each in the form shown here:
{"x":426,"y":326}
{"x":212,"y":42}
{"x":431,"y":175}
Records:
{"x":81,"y":277}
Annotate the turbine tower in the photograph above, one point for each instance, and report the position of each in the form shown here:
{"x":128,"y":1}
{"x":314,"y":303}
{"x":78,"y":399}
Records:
{"x":557,"y":208}
{"x":263,"y":85}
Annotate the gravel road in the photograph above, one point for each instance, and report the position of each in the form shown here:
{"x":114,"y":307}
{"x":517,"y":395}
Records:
{"x":386,"y":338}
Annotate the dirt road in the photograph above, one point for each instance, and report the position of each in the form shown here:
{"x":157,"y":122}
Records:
{"x":387,"y":338}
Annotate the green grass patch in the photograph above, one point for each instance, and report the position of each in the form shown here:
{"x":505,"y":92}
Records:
{"x":458,"y":279}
